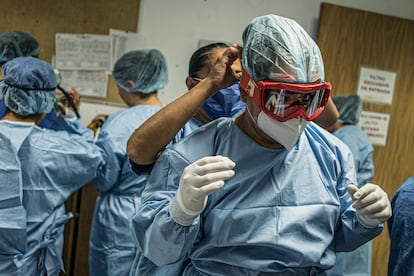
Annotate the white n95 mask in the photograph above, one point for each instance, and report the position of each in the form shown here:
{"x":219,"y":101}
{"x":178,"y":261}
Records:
{"x":286,"y":133}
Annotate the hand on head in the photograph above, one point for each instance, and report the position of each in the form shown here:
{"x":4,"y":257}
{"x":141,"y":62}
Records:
{"x":221,"y":74}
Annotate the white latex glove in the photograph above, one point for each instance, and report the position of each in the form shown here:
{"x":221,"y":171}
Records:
{"x":198,"y":180}
{"x":69,"y":115}
{"x":66,"y":112}
{"x":371,"y":204}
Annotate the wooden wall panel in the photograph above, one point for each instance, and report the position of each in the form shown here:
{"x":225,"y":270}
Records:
{"x":349,"y":39}
{"x":45,"y":18}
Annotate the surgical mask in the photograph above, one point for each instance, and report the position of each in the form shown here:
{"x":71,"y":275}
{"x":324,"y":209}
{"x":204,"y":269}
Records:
{"x":285,"y":133}
{"x":224,"y":103}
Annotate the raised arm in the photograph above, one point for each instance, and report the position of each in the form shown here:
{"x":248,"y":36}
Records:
{"x":146,"y":143}
{"x":329,"y":116}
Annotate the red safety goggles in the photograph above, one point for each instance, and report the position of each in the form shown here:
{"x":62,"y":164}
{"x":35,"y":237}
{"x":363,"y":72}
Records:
{"x":284,"y":101}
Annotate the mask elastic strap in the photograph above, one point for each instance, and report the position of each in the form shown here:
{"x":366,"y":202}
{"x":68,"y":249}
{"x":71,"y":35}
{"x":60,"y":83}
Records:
{"x":251,"y":116}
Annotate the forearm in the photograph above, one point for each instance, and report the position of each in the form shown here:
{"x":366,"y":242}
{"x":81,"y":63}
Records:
{"x":352,"y":234}
{"x":149,"y":139}
{"x":329,"y":115}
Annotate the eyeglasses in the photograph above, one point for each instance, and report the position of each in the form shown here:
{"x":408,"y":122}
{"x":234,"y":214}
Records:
{"x":196,"y":78}
{"x":284,"y":101}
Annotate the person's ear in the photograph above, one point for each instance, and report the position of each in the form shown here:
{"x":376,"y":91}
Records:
{"x":130,"y":84}
{"x":189,"y":81}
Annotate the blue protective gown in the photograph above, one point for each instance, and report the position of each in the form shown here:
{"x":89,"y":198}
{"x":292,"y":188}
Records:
{"x":112,"y":247}
{"x":358,"y":262}
{"x":12,"y":213}
{"x":142,"y":265}
{"x":52,"y":165}
{"x":3,"y":109}
{"x":283,"y":212}
{"x":400,"y":227}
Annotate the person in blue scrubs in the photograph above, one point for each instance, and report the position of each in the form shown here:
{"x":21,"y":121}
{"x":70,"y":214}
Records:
{"x":400,"y":230}
{"x":40,"y":169}
{"x":268,"y":192}
{"x":357,"y":262}
{"x":175,"y":126}
{"x":187,"y":112}
{"x":22,"y":44}
{"x":139,"y":75}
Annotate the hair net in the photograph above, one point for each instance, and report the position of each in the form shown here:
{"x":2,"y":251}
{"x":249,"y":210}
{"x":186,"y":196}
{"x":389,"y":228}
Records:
{"x":349,"y":108}
{"x":17,"y":44}
{"x":279,"y":49}
{"x":28,"y":86}
{"x":147,"y":69}
{"x":8,"y":49}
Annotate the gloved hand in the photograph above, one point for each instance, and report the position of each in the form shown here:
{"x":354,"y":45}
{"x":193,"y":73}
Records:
{"x":69,"y":115}
{"x":198,"y":180}
{"x":371,"y":204}
{"x":68,"y":105}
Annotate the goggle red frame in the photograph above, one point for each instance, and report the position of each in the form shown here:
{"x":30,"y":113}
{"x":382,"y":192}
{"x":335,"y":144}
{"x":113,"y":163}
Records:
{"x":257,"y":92}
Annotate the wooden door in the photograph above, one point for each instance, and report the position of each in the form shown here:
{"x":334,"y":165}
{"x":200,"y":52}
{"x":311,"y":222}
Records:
{"x":349,"y":39}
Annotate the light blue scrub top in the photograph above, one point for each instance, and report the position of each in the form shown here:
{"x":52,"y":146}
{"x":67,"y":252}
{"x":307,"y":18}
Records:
{"x":142,"y":265}
{"x":112,"y":247}
{"x":362,"y":150}
{"x":283,"y":212}
{"x":52,"y":165}
{"x":358,"y":262}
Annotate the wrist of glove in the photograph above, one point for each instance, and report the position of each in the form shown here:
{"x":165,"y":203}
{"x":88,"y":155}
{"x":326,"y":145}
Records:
{"x":371,"y":204}
{"x":179,"y":215}
{"x":69,"y":115}
{"x":367,"y":222}
{"x":197,"y":182}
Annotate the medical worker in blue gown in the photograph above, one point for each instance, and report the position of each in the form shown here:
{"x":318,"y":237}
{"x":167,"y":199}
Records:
{"x":268,"y":192}
{"x":357,"y":262}
{"x":400,"y":229}
{"x":40,"y":169}
{"x":22,"y":44}
{"x":139,"y":76}
{"x":175,"y":124}
{"x":182,"y":115}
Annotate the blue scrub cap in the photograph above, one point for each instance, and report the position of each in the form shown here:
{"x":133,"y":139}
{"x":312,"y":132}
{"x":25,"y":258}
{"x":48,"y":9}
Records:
{"x":17,"y":44}
{"x":147,"y":69}
{"x":349,"y":108}
{"x":28,"y":86}
{"x":279,"y":49}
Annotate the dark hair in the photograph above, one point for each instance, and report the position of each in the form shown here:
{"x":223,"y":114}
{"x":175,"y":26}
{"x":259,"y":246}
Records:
{"x":201,"y":57}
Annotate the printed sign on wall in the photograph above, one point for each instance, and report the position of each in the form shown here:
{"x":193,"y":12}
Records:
{"x":375,"y":124}
{"x":376,"y":86}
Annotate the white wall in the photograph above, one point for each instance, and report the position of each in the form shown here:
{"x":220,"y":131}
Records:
{"x":176,"y":26}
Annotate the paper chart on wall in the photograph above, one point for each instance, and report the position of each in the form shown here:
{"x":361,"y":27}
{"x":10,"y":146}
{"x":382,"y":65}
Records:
{"x":123,"y":41}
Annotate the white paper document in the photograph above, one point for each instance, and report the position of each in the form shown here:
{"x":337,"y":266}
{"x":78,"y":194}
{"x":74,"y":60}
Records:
{"x":83,"y":52}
